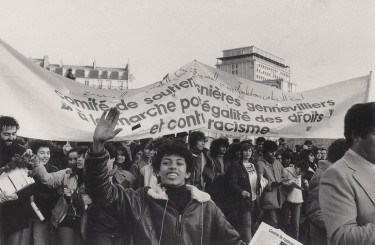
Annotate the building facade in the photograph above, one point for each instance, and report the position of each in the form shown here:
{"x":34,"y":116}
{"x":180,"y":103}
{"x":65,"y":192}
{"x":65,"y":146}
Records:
{"x":93,"y":76}
{"x":257,"y":65}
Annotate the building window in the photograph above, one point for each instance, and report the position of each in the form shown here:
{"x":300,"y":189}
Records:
{"x":114,"y":75}
{"x":235,"y":69}
{"x":105,"y":74}
{"x":80,"y":73}
{"x":58,"y":71}
{"x":94,"y":74}
{"x":290,"y":87}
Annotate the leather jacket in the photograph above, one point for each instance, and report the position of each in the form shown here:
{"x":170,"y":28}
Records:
{"x":151,"y":217}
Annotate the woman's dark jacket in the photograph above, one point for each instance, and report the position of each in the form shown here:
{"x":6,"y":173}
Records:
{"x":46,"y":198}
{"x":151,"y":217}
{"x":238,"y":182}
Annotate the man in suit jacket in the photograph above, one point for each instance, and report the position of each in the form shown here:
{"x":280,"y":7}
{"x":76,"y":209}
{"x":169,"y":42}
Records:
{"x":347,"y":196}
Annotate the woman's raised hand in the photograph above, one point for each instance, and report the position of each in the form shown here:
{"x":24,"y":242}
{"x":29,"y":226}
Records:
{"x":105,"y":129}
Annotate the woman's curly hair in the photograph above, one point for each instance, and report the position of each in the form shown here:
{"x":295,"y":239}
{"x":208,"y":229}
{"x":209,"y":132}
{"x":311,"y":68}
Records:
{"x":173,"y":147}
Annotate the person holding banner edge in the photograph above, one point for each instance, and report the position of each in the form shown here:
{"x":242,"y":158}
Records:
{"x":171,"y":213}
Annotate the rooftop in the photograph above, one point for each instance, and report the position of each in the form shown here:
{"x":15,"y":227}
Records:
{"x":252,"y":51}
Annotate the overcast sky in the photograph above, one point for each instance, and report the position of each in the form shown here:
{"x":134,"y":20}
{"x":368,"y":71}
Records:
{"x":322,"y":41}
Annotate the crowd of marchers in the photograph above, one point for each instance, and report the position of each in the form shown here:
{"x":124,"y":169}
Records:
{"x":177,"y":189}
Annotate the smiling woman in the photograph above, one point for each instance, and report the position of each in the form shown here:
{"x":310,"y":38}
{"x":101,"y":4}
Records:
{"x":173,"y":163}
{"x":42,"y":149}
{"x":170,"y":213}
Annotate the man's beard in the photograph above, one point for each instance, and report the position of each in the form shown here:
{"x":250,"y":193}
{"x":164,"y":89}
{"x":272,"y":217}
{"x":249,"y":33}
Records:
{"x":5,"y":144}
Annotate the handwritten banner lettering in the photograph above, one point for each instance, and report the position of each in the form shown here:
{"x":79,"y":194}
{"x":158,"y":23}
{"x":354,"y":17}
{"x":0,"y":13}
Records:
{"x":196,"y":96}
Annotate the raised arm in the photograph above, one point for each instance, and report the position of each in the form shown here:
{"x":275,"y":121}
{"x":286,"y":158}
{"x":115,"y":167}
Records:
{"x":111,"y":197}
{"x":97,"y":178}
{"x":38,"y":171}
{"x":52,"y":180}
{"x":105,"y":129}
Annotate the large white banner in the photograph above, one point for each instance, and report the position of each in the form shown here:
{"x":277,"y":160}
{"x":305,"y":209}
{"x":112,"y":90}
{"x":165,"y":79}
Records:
{"x":197,"y":96}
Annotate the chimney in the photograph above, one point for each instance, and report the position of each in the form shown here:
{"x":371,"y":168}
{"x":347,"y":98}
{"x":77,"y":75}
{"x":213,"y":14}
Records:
{"x":45,"y":61}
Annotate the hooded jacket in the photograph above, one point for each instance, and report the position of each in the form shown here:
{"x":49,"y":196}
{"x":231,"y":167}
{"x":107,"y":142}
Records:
{"x":151,"y":217}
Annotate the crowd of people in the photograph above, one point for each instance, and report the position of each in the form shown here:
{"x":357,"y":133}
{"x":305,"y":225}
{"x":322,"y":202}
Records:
{"x":175,"y":190}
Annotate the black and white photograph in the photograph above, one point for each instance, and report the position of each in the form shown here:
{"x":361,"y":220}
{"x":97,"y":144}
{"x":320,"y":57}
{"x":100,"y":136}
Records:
{"x":170,"y":122}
